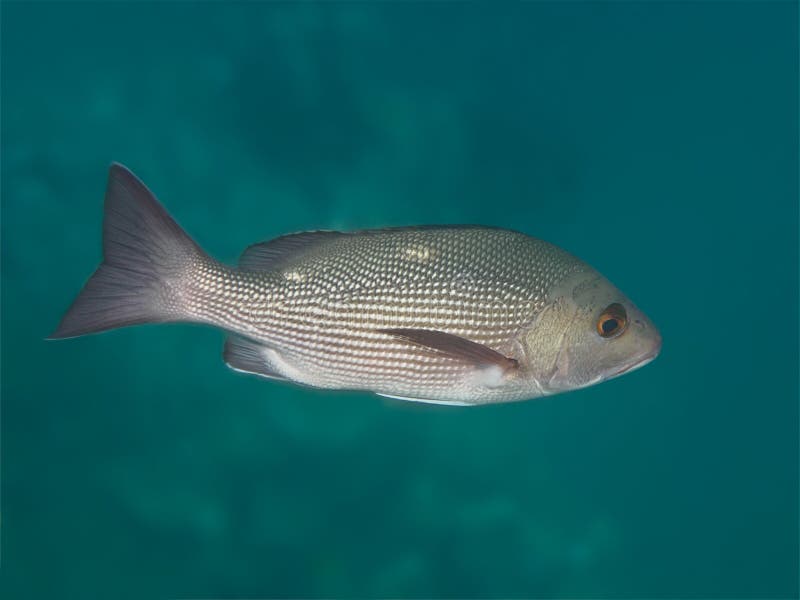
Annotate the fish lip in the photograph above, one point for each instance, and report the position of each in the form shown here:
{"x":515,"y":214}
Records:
{"x":640,"y":362}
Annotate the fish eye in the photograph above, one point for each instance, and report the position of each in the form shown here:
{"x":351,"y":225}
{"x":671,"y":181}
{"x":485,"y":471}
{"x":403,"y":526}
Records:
{"x":612,"y":321}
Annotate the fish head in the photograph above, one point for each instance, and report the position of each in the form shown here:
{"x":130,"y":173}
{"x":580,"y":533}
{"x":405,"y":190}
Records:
{"x":587,"y":333}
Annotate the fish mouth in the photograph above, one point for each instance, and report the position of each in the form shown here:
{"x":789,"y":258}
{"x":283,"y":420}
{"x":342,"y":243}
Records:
{"x":640,"y":361}
{"x":553,"y":385}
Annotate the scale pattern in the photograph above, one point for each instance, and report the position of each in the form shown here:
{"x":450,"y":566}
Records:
{"x":321,"y":307}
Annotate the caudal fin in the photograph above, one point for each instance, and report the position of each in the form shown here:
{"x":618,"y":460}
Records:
{"x":146,"y":255}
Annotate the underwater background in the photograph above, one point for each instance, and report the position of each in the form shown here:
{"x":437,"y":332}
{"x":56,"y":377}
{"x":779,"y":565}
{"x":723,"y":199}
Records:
{"x":657,"y":141}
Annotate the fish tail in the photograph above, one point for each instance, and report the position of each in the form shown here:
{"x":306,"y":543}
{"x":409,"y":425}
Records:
{"x":146,"y":259}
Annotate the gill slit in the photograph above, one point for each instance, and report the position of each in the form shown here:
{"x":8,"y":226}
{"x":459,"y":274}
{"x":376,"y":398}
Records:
{"x":561,"y":346}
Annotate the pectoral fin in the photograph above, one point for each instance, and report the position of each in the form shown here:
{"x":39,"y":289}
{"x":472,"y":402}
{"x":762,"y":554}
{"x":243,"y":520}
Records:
{"x":455,"y":347}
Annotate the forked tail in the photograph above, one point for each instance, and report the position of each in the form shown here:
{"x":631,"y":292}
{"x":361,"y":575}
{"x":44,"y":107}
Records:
{"x":146,"y":260}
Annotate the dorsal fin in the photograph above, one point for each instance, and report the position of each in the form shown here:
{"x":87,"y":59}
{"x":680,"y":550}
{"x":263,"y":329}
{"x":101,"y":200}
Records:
{"x":274,"y":254}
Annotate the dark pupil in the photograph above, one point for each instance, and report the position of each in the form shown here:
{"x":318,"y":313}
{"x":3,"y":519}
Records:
{"x":610,"y":325}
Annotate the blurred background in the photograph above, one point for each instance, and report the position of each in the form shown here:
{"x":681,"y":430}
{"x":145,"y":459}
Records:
{"x":658,"y":141}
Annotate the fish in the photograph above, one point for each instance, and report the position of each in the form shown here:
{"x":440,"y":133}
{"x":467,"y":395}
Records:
{"x":454,"y":315}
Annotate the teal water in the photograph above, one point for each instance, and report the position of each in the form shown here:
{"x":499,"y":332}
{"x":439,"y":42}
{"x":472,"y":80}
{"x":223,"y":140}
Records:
{"x":657,"y":141}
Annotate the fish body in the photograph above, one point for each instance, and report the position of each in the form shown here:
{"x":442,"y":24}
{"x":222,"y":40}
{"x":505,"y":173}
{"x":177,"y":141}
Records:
{"x":453,"y":315}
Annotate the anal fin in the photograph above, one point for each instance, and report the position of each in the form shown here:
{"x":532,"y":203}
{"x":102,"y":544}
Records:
{"x":244,"y":355}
